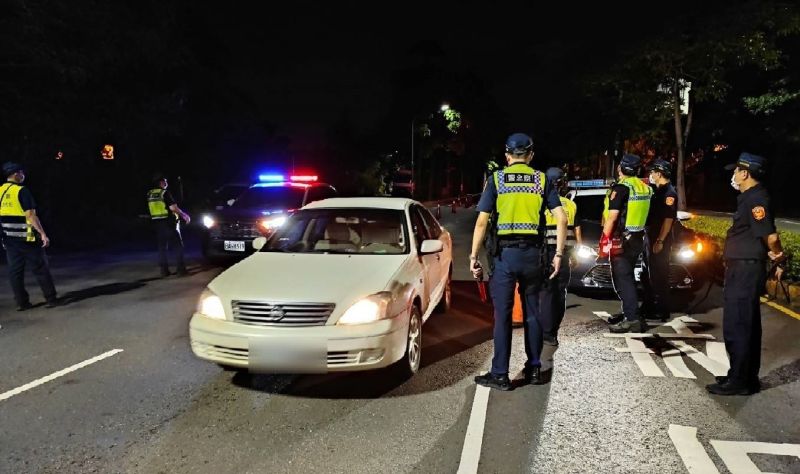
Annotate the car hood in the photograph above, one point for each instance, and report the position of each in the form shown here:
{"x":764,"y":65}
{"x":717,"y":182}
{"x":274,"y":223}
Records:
{"x":234,"y":214}
{"x":308,"y":278}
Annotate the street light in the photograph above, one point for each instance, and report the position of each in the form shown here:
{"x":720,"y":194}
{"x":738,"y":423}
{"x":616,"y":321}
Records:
{"x":442,"y":108}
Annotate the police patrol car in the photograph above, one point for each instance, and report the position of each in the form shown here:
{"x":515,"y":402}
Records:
{"x":589,"y":272}
{"x":258,"y":212}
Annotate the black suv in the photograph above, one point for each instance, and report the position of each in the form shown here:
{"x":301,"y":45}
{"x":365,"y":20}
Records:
{"x":258,"y":211}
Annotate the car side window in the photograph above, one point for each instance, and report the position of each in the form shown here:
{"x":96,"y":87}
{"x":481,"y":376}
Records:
{"x":418,"y":226}
{"x":434,"y":229}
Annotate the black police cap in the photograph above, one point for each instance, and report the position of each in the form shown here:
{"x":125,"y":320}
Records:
{"x":10,"y":168}
{"x":750,"y":162}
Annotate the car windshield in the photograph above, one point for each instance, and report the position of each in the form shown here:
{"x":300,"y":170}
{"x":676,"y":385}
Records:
{"x":345,"y":231}
{"x":230,"y":191}
{"x":590,"y":208}
{"x":272,"y":197}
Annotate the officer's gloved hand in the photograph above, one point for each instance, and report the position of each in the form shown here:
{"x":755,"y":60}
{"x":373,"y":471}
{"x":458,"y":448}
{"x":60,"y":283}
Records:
{"x":605,"y":246}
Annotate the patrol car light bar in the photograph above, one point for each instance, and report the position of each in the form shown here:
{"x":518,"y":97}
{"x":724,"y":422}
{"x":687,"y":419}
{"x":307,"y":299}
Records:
{"x":303,"y":178}
{"x":271,"y":178}
{"x":587,"y":183}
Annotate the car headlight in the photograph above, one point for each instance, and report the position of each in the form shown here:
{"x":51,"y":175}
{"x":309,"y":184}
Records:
{"x":686,"y":253}
{"x":210,"y":305}
{"x":208,"y":221}
{"x":585,"y":252}
{"x":273,"y":223}
{"x":368,"y":310}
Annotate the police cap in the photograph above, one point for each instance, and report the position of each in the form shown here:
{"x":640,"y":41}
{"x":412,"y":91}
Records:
{"x":630,"y":164}
{"x":10,"y":168}
{"x":519,"y":144}
{"x":753,"y":163}
{"x":662,"y":166}
{"x":555,"y":174}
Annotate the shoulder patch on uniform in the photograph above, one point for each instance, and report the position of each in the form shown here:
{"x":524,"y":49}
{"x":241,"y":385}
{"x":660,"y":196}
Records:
{"x":670,"y":201}
{"x":759,"y":213}
{"x":613,"y":195}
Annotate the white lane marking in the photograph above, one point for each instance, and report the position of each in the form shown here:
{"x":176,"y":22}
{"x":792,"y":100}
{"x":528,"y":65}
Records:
{"x":604,"y":315}
{"x":673,"y":359}
{"x":661,"y":336}
{"x":55,"y":375}
{"x":628,"y":350}
{"x":694,"y":456}
{"x":471,"y":452}
{"x":646,"y":364}
{"x":716,"y":367}
{"x":680,"y":327}
{"x":735,"y":453}
{"x":716,"y":351}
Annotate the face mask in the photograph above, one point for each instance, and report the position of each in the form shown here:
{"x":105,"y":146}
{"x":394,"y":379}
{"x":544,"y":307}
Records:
{"x":734,"y":184}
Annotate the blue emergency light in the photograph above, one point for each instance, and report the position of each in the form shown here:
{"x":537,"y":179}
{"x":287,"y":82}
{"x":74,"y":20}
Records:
{"x":271,"y":178}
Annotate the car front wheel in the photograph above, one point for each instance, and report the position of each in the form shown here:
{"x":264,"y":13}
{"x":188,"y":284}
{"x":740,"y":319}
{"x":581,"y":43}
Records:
{"x":409,"y":364}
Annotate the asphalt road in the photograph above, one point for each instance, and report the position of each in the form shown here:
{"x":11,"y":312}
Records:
{"x":153,"y":407}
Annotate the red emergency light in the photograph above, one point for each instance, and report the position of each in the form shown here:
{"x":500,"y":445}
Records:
{"x":303,"y":178}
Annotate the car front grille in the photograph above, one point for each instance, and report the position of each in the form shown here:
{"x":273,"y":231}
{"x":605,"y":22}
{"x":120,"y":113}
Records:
{"x":679,"y":277}
{"x":238,"y":230}
{"x":600,"y":274}
{"x":236,"y":355}
{"x":220,"y":352}
{"x":260,"y":313}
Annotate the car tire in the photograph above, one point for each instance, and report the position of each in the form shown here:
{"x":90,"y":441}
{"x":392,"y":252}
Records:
{"x":409,"y":364}
{"x":443,"y":305}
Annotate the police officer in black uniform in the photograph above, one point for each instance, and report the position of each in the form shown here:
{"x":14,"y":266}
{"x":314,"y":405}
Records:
{"x":663,"y":212}
{"x":518,"y":194}
{"x":23,"y":238}
{"x":751,"y":242}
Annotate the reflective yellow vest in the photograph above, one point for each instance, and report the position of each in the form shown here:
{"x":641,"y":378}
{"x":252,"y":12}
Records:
{"x":637,"y":207}
{"x":520,"y":196}
{"x":156,"y":204}
{"x":14,"y":223}
{"x":571,"y":209}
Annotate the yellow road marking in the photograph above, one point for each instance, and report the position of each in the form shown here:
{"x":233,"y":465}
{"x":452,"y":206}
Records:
{"x":780,"y":308}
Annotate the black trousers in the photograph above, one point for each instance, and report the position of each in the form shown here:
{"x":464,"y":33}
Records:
{"x":622,"y":273}
{"x":169,"y":234}
{"x":553,"y":297}
{"x":741,"y":318}
{"x":655,"y":278}
{"x":20,"y":254}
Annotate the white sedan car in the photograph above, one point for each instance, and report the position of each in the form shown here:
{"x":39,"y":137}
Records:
{"x":345,"y":284}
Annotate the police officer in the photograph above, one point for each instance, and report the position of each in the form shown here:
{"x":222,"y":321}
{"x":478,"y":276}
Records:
{"x":663,"y":212}
{"x":554,"y":292}
{"x":623,"y":239}
{"x":519,"y":195}
{"x":168,"y":230}
{"x":751,"y":241}
{"x":23,"y":238}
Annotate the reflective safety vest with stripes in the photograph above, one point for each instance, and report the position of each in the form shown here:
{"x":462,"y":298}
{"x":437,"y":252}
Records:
{"x":14,"y":223}
{"x":571,"y":209}
{"x":156,"y":204}
{"x":520,"y":197}
{"x":638,"y":206}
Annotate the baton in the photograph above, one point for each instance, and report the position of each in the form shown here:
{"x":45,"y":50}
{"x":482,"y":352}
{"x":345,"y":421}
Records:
{"x":481,"y":288}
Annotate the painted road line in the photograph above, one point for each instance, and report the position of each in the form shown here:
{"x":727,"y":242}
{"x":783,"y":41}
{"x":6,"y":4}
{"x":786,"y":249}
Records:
{"x":673,"y":358}
{"x":692,"y":453}
{"x":780,"y":308}
{"x":55,"y":375}
{"x":471,"y":452}
{"x":660,"y":336}
{"x":716,"y":365}
{"x":646,"y":363}
{"x":604,"y":315}
{"x":716,"y":351}
{"x":735,"y":453}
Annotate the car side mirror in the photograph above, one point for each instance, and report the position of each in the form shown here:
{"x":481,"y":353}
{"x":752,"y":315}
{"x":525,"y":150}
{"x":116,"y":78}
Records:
{"x":230,"y":202}
{"x":259,"y":243}
{"x":431,"y":246}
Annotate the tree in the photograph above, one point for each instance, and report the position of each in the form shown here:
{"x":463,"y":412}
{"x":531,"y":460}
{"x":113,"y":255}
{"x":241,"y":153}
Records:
{"x":691,"y":60}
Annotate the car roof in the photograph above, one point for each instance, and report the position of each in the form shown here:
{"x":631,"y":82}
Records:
{"x":362,"y":202}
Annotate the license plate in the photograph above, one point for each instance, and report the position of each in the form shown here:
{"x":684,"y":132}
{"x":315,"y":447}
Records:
{"x":637,"y":273}
{"x":234,"y":246}
{"x":288,"y":357}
